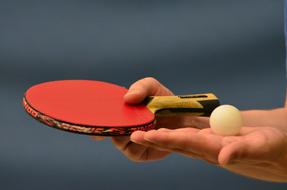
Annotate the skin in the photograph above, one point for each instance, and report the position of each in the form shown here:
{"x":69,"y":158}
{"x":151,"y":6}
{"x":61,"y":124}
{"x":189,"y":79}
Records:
{"x":259,"y":151}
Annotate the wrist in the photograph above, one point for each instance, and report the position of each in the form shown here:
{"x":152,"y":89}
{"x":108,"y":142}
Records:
{"x":276,"y":118}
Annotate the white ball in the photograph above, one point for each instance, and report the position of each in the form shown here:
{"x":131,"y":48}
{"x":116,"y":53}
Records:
{"x":226,"y":120}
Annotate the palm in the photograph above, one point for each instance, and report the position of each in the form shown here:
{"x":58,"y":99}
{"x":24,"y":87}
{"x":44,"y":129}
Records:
{"x":257,"y":152}
{"x":254,"y":148}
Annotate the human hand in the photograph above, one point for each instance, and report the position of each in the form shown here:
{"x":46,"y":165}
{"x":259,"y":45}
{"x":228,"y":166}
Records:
{"x":136,"y":94}
{"x":257,"y":152}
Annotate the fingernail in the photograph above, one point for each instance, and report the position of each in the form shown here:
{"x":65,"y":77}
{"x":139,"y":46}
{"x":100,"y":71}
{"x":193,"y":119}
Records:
{"x":132,"y":91}
{"x":134,"y":140}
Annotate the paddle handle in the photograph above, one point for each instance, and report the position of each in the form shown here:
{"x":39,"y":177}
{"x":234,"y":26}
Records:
{"x":195,"y":104}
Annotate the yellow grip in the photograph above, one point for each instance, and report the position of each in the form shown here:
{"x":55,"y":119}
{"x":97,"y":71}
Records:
{"x":195,"y":104}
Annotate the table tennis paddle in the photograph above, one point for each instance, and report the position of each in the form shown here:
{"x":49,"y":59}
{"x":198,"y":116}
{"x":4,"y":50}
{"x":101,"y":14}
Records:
{"x":98,"y":108}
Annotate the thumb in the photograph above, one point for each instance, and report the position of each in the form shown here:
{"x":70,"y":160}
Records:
{"x":231,"y":152}
{"x":139,"y":90}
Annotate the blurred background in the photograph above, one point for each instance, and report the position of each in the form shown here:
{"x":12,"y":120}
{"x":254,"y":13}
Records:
{"x":232,"y":48}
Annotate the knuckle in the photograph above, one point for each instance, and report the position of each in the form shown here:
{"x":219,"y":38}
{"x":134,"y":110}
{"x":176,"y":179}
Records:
{"x":150,"y":79}
{"x":149,"y":85}
{"x":162,"y":129}
{"x":144,"y":84}
{"x":136,"y":85}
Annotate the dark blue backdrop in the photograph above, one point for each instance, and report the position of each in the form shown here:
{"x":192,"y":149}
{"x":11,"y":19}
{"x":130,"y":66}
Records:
{"x":232,"y":48}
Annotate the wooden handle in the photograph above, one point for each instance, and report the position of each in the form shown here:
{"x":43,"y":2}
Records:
{"x":195,"y":104}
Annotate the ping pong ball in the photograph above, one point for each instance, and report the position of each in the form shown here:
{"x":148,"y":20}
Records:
{"x":226,"y":120}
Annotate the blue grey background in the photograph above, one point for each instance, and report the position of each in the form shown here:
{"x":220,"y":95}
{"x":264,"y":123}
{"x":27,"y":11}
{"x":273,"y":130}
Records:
{"x":232,"y":48}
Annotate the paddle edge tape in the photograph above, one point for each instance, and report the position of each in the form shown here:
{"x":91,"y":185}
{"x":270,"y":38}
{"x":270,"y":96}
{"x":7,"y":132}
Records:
{"x":81,"y":129}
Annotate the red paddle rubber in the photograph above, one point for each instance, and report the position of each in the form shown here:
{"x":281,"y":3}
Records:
{"x":88,"y":130}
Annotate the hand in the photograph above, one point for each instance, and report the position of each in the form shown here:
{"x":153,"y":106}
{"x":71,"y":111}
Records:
{"x":136,"y":94}
{"x":258,"y":152}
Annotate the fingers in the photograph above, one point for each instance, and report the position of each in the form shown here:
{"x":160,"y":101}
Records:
{"x":187,"y":141}
{"x":138,"y":137}
{"x":173,"y":139}
{"x":121,"y":142}
{"x":143,"y":88}
{"x":129,"y":149}
{"x":137,"y":152}
{"x":228,"y":154}
{"x":240,"y":148}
